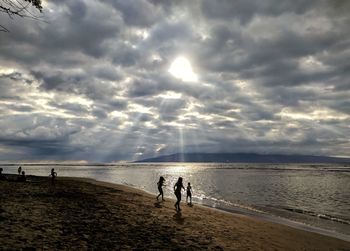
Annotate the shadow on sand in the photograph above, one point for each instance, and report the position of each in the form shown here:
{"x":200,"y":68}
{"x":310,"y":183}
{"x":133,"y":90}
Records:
{"x":178,"y":218}
{"x":158,"y":204}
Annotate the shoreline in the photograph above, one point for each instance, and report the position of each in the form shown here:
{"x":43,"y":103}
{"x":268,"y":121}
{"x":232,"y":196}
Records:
{"x":86,"y":214}
{"x":235,"y":211}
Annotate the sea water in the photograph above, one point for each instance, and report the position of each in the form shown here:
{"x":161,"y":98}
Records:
{"x":313,"y":195}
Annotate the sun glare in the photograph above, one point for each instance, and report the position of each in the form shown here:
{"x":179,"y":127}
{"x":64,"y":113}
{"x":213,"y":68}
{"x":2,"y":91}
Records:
{"x":181,"y":68}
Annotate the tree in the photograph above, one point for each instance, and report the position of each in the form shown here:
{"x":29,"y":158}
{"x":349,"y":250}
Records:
{"x":20,"y":8}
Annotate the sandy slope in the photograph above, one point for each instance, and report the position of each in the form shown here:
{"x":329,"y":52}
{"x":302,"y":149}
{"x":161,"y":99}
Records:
{"x":81,"y":214}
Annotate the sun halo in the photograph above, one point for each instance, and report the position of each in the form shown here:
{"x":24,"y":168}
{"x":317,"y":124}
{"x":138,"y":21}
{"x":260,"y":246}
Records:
{"x":181,"y":68}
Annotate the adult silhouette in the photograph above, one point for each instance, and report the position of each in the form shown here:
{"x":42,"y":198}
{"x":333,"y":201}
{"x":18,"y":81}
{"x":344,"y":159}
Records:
{"x":177,"y":190}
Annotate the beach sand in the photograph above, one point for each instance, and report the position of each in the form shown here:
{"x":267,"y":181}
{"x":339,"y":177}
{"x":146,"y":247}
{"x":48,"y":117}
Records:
{"x":83,"y":214}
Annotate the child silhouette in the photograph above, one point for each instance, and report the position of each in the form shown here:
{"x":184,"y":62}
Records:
{"x":160,"y":184}
{"x":189,"y":193}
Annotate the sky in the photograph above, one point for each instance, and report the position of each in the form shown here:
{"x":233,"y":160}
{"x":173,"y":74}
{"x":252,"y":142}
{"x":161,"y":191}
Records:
{"x":123,"y":80}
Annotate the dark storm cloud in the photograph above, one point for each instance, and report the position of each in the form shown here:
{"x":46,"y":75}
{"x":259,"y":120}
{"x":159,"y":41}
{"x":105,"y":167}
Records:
{"x":92,"y":81}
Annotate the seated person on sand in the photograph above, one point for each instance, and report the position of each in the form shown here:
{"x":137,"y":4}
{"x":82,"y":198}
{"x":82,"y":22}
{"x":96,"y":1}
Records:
{"x":189,"y":193}
{"x":22,"y":178}
{"x":53,"y":175}
{"x":2,"y":176}
{"x":160,"y":184}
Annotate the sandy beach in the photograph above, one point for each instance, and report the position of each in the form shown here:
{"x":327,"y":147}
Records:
{"x":83,"y":214}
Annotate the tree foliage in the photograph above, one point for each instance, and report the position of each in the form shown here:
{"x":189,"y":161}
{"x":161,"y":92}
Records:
{"x":20,"y":8}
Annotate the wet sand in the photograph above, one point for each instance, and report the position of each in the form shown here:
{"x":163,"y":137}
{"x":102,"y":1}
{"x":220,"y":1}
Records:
{"x":84,"y":214}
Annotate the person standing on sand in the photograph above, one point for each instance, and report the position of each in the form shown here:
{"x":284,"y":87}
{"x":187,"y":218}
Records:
{"x":19,"y":170}
{"x":189,"y":193}
{"x":2,"y":176}
{"x":177,"y":190}
{"x":160,"y":183}
{"x":53,"y":176}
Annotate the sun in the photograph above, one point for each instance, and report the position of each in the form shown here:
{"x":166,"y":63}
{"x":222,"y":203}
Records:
{"x":181,"y":68}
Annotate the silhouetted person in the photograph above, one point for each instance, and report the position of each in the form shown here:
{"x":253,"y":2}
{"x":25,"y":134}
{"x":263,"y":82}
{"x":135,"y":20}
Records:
{"x":19,"y":170}
{"x":160,"y":183}
{"x":22,"y":177}
{"x":177,"y":190}
{"x":189,"y":193}
{"x":2,"y":176}
{"x":53,"y":176}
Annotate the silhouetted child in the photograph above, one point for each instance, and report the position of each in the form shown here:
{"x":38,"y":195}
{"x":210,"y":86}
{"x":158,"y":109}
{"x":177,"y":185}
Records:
{"x":160,"y":184}
{"x":22,"y":178}
{"x":19,"y":170}
{"x":53,"y":176}
{"x":177,"y":190}
{"x":189,"y":193}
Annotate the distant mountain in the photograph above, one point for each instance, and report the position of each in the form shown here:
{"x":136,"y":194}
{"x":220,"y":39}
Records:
{"x":245,"y":158}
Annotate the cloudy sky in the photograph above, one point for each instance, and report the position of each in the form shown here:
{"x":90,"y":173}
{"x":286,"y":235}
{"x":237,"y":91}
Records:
{"x":116,"y":80}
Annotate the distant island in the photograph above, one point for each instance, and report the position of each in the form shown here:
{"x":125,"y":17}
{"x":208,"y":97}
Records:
{"x":244,"y":158}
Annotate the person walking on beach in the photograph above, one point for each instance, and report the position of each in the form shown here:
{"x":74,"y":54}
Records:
{"x":160,"y":184}
{"x":53,"y":176}
{"x":19,"y":170}
{"x":189,"y":193}
{"x":177,"y":190}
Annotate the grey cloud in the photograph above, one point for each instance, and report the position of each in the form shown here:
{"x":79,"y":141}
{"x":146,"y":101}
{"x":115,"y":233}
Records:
{"x":273,"y":77}
{"x":20,"y":108}
{"x":137,"y":12}
{"x":126,"y":56}
{"x":106,"y":72}
{"x":244,"y":11}
{"x":78,"y":83}
{"x":141,"y":88}
{"x":141,"y":117}
{"x":75,"y":28}
{"x":99,"y":113}
{"x":77,"y":109}
{"x":169,"y":109}
{"x":116,"y":104}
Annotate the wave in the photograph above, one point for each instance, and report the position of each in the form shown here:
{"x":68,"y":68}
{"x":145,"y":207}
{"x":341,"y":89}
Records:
{"x":318,"y":215}
{"x":320,"y":169}
{"x":225,"y":205}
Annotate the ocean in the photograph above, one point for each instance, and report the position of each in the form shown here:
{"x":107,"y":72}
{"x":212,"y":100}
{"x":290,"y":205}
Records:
{"x":312,"y":197}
